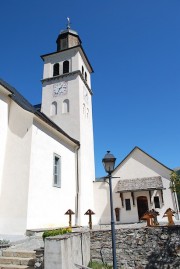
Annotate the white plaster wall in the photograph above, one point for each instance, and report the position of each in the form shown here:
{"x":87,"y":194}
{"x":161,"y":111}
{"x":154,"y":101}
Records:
{"x":62,"y":252}
{"x":140,"y":164}
{"x":78,"y":124}
{"x":86,"y":155}
{"x":169,"y":200}
{"x":15,"y":178}
{"x":4,"y":113}
{"x":137,"y":165}
{"x":101,"y":202}
{"x":69,"y":122}
{"x":46,"y":203}
{"x":81,"y":63}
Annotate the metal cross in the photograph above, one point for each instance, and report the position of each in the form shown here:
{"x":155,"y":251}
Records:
{"x":68,"y":23}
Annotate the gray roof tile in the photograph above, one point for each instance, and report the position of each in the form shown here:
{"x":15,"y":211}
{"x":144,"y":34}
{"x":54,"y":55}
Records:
{"x":140,"y":184}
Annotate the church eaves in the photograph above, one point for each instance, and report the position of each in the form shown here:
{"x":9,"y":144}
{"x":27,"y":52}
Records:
{"x":135,"y":148}
{"x":22,"y":102}
{"x":78,"y":47}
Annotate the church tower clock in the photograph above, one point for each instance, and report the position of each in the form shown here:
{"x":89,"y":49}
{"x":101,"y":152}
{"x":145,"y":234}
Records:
{"x":67,"y":101}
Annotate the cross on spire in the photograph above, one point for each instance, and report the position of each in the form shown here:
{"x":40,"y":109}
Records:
{"x":68,"y":23}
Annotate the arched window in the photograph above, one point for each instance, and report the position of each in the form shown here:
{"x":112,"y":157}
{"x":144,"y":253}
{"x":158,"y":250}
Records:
{"x":53,"y":111}
{"x":85,"y":76}
{"x":82,"y":70}
{"x":65,"y":107}
{"x":65,"y":67}
{"x":56,"y":69}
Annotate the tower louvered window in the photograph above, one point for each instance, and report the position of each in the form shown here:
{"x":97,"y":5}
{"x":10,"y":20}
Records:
{"x":65,"y":67}
{"x":56,"y":69}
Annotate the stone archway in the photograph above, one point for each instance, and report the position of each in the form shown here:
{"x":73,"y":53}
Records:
{"x":142,"y":205}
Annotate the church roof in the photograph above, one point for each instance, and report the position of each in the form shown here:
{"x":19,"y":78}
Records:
{"x":22,"y":102}
{"x":69,"y":31}
{"x":137,"y":148}
{"x":140,"y":184}
{"x":101,"y":179}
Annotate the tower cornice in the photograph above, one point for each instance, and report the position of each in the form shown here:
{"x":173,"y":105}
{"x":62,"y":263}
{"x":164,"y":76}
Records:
{"x":72,"y":48}
{"x":78,"y":72}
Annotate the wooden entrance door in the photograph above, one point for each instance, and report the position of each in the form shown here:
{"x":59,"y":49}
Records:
{"x":142,"y":204}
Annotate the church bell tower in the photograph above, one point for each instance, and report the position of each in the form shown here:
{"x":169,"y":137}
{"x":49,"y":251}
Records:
{"x":67,"y":101}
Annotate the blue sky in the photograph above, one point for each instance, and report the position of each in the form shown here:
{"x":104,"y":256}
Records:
{"x":133,"y":46}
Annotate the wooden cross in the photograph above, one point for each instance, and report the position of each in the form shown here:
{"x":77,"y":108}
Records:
{"x":70,"y":213}
{"x":90,"y":213}
{"x":148,"y":216}
{"x":169,"y":214}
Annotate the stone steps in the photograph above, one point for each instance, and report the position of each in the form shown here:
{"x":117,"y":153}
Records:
{"x":12,"y":259}
{"x":12,"y":266}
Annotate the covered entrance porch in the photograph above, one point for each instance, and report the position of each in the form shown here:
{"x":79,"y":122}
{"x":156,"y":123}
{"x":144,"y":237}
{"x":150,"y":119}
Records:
{"x":139,"y":195}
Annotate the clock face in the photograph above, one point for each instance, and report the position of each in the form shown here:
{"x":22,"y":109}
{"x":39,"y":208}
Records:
{"x":60,"y":88}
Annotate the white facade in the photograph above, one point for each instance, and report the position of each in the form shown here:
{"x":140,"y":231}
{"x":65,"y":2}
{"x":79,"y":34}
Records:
{"x":28,"y":198}
{"x":137,"y":165}
{"x":15,"y":172}
{"x":46,"y":203}
{"x":4,"y":128}
{"x":47,"y":157}
{"x":31,"y":196}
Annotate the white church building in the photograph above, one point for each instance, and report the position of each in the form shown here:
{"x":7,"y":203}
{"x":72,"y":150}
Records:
{"x":140,"y":183}
{"x":47,"y":154}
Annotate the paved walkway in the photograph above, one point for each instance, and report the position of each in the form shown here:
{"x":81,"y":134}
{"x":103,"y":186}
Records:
{"x":28,"y":244}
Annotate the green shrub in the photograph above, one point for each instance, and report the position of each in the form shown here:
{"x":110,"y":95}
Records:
{"x":98,"y":265}
{"x":56,"y":232}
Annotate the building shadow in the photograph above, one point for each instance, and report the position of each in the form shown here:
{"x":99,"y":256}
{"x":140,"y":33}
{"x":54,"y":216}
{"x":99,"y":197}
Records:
{"x":167,"y":253}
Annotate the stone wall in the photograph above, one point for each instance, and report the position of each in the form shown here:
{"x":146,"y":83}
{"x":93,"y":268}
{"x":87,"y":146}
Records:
{"x":62,"y":252}
{"x":149,"y":247}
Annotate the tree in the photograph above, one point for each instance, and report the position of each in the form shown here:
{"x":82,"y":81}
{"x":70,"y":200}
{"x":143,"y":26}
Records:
{"x":175,"y":181}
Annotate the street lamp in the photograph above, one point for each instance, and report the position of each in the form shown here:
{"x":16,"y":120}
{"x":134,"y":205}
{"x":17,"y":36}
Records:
{"x":109,"y":163}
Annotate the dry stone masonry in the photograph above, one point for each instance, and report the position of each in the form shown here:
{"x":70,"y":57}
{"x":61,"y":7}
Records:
{"x":142,"y":248}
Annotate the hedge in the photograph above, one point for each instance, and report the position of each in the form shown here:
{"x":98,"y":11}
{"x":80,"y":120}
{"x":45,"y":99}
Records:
{"x":56,"y":232}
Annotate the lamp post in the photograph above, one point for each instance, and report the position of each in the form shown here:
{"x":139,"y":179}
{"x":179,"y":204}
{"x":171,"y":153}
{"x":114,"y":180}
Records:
{"x":109,"y":163}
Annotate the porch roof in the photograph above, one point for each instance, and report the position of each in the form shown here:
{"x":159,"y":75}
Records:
{"x":140,"y":184}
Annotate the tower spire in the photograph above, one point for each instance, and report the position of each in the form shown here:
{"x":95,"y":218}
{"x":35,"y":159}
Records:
{"x":67,"y":38}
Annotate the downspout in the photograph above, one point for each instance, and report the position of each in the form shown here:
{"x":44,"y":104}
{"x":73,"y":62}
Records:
{"x":77,"y":187}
